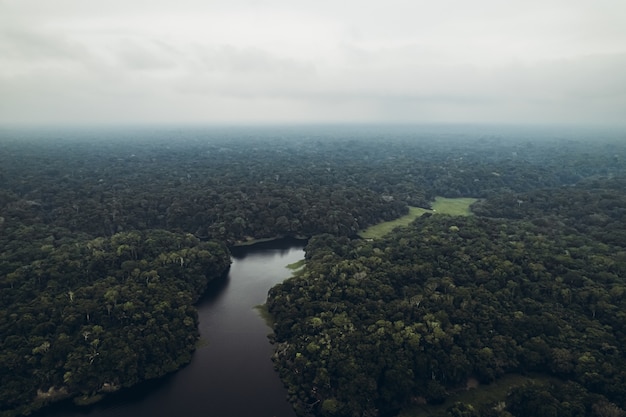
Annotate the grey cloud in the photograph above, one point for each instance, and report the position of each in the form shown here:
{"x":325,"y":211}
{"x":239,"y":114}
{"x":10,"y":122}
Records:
{"x":233,"y":60}
{"x":150,"y":55}
{"x":589,"y":77}
{"x":244,"y":72}
{"x":39,"y":46}
{"x":406,"y":61}
{"x":590,"y":88}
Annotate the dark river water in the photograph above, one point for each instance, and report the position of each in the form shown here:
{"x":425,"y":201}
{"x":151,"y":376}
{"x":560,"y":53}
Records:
{"x":231,"y":375}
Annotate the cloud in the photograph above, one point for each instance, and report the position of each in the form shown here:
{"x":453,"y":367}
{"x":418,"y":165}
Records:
{"x":281,"y":60}
{"x":148,"y":55}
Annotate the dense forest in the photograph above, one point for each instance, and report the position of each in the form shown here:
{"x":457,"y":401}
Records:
{"x":83,"y":316}
{"x":369,"y":327}
{"x":108,"y":236}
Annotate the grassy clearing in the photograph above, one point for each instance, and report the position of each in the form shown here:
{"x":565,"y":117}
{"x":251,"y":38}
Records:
{"x":381,"y":229}
{"x":202,"y":343}
{"x":296,"y":265}
{"x":441,"y":205}
{"x":453,"y":206}
{"x":252,"y":241}
{"x":482,"y":396}
{"x":297,"y":268}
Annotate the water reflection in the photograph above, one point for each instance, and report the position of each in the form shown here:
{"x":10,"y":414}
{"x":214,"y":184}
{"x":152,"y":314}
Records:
{"x":231,"y":374}
{"x":282,"y":247}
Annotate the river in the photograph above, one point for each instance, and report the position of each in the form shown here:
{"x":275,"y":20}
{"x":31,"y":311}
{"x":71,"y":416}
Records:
{"x":231,"y":373}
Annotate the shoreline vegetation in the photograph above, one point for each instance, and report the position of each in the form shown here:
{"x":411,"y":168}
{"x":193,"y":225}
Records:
{"x":265,"y":315}
{"x":296,"y":268}
{"x":250,"y":241}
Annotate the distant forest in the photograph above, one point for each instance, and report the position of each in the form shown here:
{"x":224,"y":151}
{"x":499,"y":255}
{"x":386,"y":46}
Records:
{"x":109,"y":236}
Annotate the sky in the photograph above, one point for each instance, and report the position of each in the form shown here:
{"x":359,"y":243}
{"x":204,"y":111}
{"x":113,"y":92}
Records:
{"x":313,"y":61}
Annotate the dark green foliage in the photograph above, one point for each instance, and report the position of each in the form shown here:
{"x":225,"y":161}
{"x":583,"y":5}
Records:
{"x":372,"y":325}
{"x":462,"y":410}
{"x":86,"y":316}
{"x":100,"y":260}
{"x":561,"y":399}
{"x":263,"y":183}
{"x":597,"y":210}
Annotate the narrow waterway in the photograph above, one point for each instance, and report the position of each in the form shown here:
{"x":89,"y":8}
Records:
{"x":231,"y":374}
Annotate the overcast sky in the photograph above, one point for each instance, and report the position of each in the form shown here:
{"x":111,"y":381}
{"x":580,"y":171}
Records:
{"x":236,"y":61}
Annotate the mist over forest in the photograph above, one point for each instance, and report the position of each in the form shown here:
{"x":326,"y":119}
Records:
{"x":108,"y":236}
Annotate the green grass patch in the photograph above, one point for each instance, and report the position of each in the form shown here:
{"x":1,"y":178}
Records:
{"x":381,"y":229}
{"x":296,"y":265}
{"x":453,"y":206}
{"x":201,"y":343}
{"x":441,"y":205}
{"x":265,"y":315}
{"x":251,"y":241}
{"x":479,"y":397}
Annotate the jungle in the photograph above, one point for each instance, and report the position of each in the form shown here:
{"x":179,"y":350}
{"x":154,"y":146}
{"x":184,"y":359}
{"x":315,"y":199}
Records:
{"x":109,"y":235}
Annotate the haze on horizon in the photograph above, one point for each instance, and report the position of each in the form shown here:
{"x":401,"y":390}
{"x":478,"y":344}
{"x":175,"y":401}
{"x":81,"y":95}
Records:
{"x":278,"y":61}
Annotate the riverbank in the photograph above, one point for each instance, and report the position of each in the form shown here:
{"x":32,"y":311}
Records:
{"x":233,"y":360}
{"x":252,"y":241}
